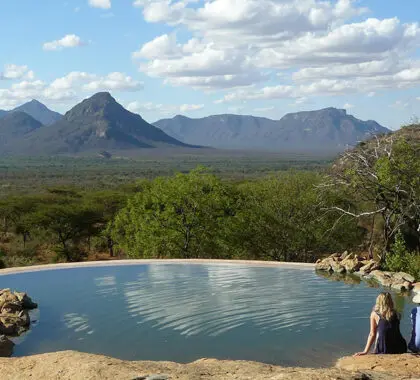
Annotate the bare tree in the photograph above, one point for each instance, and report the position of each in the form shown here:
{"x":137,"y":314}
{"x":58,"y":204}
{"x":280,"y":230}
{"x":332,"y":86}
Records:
{"x":383,"y":175}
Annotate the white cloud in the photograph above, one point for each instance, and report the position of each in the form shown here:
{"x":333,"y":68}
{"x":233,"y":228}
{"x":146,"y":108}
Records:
{"x":399,"y":104}
{"x":68,"y":41}
{"x":104,"y":4}
{"x":12,"y":71}
{"x":163,"y":109}
{"x":348,"y":106}
{"x":264,"y":109}
{"x":113,"y":81}
{"x":67,"y":88}
{"x":307,"y":45}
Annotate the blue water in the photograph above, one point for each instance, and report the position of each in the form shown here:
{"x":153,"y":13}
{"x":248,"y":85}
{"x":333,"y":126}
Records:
{"x":183,"y":312}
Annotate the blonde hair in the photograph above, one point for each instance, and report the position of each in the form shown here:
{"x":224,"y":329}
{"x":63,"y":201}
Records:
{"x":385,"y":306}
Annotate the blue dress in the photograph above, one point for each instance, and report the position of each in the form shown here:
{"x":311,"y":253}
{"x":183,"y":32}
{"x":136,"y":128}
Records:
{"x":389,"y":338}
{"x":414,"y":344}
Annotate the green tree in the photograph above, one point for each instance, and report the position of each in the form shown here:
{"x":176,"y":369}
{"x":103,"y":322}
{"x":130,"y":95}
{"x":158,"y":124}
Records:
{"x":181,"y":216}
{"x":281,"y":218}
{"x":68,"y":223}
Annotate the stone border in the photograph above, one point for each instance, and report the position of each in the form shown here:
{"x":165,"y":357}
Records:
{"x":110,"y":263}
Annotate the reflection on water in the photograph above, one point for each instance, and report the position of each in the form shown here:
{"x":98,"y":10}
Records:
{"x":184,"y":312}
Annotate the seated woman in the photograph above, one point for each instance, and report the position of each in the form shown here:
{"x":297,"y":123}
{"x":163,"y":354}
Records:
{"x":385,"y":328}
{"x":414,"y":344}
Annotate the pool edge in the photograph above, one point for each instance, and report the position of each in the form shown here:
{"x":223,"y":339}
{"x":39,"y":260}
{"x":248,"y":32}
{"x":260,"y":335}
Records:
{"x":110,"y":263}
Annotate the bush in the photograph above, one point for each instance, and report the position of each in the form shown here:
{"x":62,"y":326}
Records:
{"x":399,"y":259}
{"x":16,"y":261}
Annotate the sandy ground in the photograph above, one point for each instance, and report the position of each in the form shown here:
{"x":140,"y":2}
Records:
{"x":35,"y":268}
{"x":70,"y":365}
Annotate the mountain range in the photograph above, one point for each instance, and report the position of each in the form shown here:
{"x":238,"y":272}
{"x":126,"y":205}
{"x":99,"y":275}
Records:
{"x":96,"y":124}
{"x":328,"y":129}
{"x":100,"y":124}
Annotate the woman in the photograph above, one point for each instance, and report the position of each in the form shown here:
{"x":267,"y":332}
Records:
{"x":414,"y":344}
{"x":385,"y":328}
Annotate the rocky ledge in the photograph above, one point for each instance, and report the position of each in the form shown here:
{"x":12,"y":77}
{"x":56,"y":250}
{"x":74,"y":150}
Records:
{"x":353,"y":264}
{"x":14,"y":317}
{"x":70,"y":365}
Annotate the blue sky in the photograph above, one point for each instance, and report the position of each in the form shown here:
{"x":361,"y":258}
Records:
{"x":200,"y":57}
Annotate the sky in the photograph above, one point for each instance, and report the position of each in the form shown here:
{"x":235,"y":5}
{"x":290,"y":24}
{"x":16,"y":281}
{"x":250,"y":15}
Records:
{"x":160,"y":58}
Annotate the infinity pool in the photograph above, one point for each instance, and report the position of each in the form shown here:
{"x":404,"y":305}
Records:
{"x":183,"y":312}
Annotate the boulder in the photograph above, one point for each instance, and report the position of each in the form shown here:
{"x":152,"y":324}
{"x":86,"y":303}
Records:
{"x":399,"y":286}
{"x":416,"y":287}
{"x":6,"y":346}
{"x":325,"y":265}
{"x":384,"y":278}
{"x":345,"y":255}
{"x":26,"y":301}
{"x":368,"y":266}
{"x":11,"y":308}
{"x":351,"y":264}
{"x":7,"y":327}
{"x":23,"y":319}
{"x":404,"y":277}
{"x":337,"y":267}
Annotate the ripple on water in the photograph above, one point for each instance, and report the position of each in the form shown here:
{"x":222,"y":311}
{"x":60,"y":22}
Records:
{"x":185,"y":312}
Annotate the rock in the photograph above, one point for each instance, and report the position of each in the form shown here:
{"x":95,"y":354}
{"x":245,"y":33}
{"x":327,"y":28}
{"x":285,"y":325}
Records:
{"x":416,"y":287}
{"x":26,"y":301}
{"x":384,"y":278}
{"x":408,"y":285}
{"x":7,"y":328}
{"x":23,"y":319}
{"x":404,"y":277}
{"x":11,"y":308}
{"x":398,"y":286}
{"x":325,"y":265}
{"x":351,"y":264}
{"x":6,"y":346}
{"x":72,"y":365}
{"x":337,"y":268}
{"x":344,"y":255}
{"x":368,"y":267}
{"x":405,"y":366}
{"x":335,"y":256}
{"x":14,"y":316}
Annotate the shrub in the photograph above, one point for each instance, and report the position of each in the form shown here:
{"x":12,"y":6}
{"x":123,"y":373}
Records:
{"x":399,"y":259}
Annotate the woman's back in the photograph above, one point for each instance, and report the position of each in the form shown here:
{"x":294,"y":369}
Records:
{"x":414,"y":344}
{"x":389,"y":338}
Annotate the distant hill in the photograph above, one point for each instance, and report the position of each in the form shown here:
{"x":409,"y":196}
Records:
{"x":329,"y":129}
{"x":39,"y":112}
{"x":15,"y":126}
{"x":96,"y":124}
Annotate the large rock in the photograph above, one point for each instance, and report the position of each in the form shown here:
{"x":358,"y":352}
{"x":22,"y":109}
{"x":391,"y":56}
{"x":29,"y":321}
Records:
{"x":337,"y":267}
{"x":325,"y":265}
{"x":405,"y":366}
{"x":384,"y":278}
{"x":14,"y":316}
{"x":368,"y":266}
{"x":6,"y":346}
{"x":351,"y":264}
{"x":416,"y":287}
{"x":26,"y":301}
{"x":70,"y":365}
{"x":404,"y":277}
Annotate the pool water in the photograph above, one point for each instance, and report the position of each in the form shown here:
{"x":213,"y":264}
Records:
{"x":184,"y":312}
